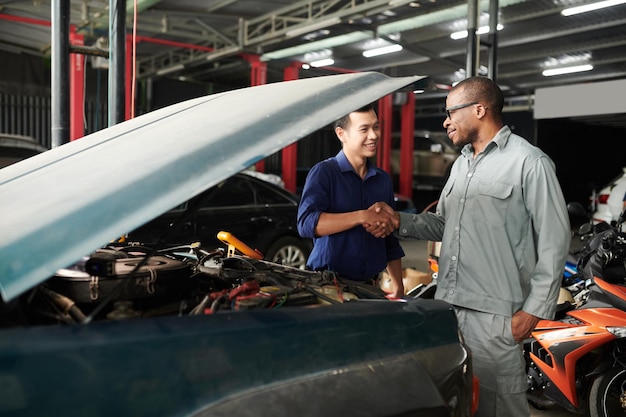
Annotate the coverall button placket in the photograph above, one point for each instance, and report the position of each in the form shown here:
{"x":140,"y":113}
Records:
{"x":455,"y":247}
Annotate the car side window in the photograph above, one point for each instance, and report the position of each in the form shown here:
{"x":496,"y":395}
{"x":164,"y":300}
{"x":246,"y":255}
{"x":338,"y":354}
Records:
{"x":267,"y":196}
{"x":232,"y":192}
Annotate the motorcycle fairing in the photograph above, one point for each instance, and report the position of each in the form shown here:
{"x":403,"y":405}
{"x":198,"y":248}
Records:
{"x":557,"y":353}
{"x":615,"y":293}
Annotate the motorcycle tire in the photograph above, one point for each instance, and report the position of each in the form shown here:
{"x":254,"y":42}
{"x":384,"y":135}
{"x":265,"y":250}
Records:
{"x":604,"y":396}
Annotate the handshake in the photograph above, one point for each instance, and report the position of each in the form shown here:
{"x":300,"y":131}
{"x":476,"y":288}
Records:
{"x":381,"y":220}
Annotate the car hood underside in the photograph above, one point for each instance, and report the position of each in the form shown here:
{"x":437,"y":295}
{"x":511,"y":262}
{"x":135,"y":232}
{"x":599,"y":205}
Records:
{"x":66,"y":202}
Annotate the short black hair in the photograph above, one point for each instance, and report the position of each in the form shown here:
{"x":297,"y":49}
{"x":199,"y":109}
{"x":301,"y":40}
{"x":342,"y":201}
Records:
{"x":483,"y":90}
{"x":343,"y":122}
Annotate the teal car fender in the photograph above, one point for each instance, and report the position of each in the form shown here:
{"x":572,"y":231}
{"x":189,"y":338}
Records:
{"x":360,"y":358}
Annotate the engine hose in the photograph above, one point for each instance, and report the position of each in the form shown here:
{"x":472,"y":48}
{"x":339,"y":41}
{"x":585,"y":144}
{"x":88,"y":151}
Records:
{"x":64,"y":304}
{"x":197,"y":310}
{"x":320,"y":295}
{"x":215,"y":305}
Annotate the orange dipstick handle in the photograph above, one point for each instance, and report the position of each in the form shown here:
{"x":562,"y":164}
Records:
{"x":234,"y":243}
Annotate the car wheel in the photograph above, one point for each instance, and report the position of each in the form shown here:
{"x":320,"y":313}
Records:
{"x":288,"y":251}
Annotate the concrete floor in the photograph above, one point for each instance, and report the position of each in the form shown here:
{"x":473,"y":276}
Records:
{"x":416,"y":255}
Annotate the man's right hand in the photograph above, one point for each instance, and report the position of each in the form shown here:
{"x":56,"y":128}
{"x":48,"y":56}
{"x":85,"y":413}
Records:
{"x":382,"y":220}
{"x":385,"y":209}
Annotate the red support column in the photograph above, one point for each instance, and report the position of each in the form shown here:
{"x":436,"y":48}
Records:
{"x":407,"y":143}
{"x":77,"y":87}
{"x":129,"y":107}
{"x":258,"y":76}
{"x":290,"y":153}
{"x":385,"y":116}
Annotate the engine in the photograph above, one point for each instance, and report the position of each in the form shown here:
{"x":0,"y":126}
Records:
{"x":129,"y":281}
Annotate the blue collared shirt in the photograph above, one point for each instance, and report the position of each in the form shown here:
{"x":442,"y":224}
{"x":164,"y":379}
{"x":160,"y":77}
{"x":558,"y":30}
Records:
{"x":332,"y":186}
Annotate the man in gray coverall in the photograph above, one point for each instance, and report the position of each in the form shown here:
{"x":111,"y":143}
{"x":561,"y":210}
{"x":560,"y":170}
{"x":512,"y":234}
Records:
{"x":505,"y":234}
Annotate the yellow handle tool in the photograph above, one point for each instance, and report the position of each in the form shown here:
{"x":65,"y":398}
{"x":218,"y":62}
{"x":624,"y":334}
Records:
{"x":234,"y":243}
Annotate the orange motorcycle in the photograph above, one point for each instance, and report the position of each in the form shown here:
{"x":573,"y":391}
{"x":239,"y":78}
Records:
{"x":579,"y":361}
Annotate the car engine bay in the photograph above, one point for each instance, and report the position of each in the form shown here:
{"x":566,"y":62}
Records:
{"x":129,"y":281}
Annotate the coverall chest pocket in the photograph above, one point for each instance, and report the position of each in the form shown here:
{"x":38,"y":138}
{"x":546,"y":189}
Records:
{"x":491,"y":202}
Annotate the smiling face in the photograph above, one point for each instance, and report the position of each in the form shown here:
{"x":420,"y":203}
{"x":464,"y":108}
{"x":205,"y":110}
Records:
{"x":461,"y":120}
{"x":360,"y":135}
{"x":474,"y":112}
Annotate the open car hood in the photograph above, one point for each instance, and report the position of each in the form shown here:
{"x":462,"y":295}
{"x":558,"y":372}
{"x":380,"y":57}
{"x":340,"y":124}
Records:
{"x":71,"y":200}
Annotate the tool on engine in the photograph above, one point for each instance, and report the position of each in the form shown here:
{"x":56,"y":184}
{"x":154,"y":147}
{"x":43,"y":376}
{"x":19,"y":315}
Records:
{"x":234,"y":243}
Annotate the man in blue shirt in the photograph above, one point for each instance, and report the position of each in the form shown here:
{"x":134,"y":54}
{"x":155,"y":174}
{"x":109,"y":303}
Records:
{"x":336,"y":207}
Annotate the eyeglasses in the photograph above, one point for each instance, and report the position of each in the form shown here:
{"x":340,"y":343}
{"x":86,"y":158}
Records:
{"x":458,"y":107}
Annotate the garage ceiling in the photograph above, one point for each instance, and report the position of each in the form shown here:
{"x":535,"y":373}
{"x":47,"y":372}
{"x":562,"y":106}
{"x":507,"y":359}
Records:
{"x":215,"y":41}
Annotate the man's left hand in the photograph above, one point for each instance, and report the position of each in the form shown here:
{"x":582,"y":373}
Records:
{"x":522,"y":325}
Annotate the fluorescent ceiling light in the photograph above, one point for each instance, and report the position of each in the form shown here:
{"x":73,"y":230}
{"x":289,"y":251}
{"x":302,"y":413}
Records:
{"x":432,"y":18}
{"x":171,"y":69}
{"x":481,"y":31}
{"x":394,"y":3}
{"x":566,"y":70}
{"x":322,"y":63}
{"x":427,"y":19}
{"x":459,"y":35}
{"x":382,"y":50}
{"x":317,"y":45}
{"x":312,"y":27}
{"x":590,"y":7}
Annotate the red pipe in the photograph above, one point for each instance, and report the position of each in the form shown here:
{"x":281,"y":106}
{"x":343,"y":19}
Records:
{"x":174,"y":43}
{"x":341,"y":70}
{"x":25,"y":20}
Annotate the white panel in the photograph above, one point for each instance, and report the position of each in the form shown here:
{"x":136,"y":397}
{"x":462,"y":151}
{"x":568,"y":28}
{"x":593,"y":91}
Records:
{"x":607,"y":97}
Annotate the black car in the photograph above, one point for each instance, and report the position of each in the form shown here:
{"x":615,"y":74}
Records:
{"x":14,"y":148}
{"x":259,"y":213}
